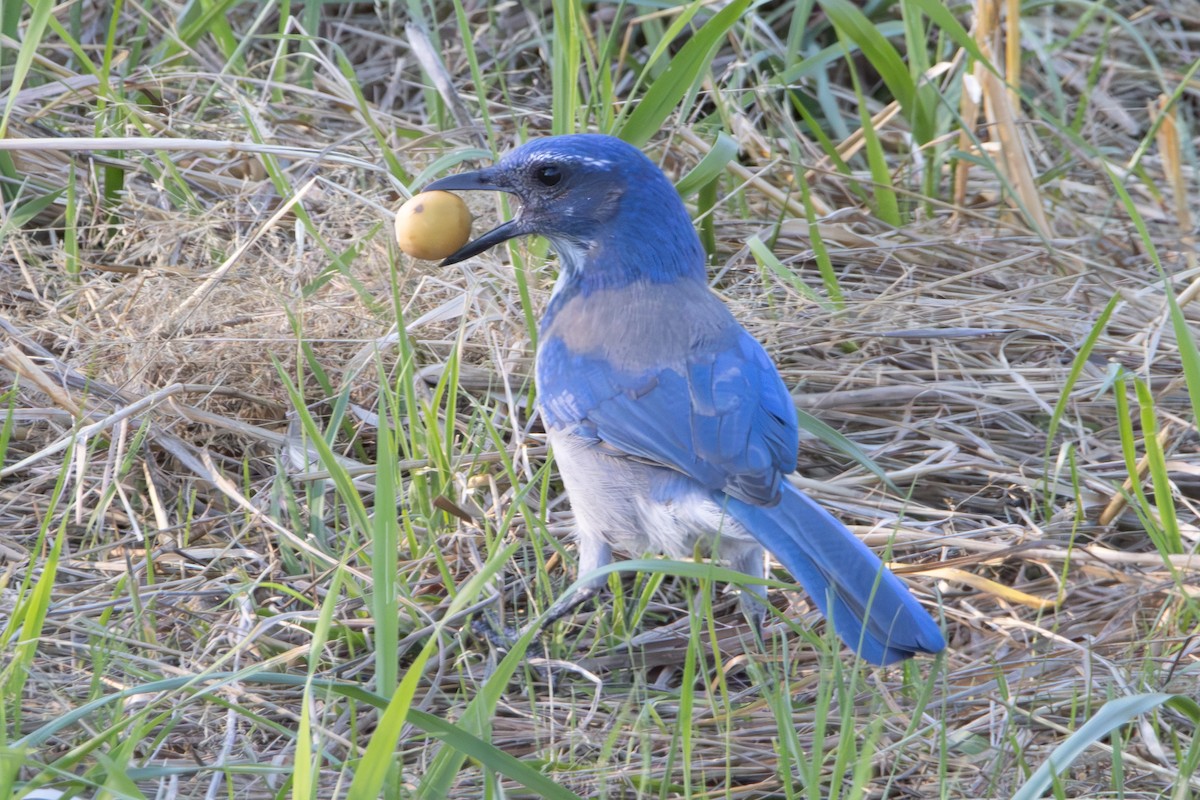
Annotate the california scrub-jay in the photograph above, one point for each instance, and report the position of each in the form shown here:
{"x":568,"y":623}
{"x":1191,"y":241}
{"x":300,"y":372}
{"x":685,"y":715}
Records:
{"x":670,"y":425}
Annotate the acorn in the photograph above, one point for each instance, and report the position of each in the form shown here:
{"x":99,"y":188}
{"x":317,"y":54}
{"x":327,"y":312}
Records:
{"x":432,"y":225}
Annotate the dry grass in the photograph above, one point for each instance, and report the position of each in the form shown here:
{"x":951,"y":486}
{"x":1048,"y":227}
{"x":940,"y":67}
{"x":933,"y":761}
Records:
{"x":198,"y":537}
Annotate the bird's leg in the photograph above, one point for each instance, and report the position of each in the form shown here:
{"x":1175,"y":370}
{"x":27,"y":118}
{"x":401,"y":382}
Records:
{"x":752,"y":561}
{"x":594,"y":552}
{"x":504,"y":637}
{"x":563,"y":606}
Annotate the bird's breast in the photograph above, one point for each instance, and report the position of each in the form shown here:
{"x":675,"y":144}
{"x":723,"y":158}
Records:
{"x":641,"y":327}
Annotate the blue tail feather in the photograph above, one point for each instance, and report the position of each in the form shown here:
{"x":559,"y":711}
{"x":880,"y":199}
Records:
{"x":873,"y":612}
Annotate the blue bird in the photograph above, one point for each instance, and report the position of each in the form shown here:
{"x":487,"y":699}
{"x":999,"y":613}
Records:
{"x":669,"y":423}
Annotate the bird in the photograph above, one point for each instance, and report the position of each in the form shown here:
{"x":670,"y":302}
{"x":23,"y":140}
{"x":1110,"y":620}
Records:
{"x":670,"y":425}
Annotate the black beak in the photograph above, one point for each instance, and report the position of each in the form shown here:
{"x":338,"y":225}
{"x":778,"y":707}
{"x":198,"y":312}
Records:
{"x":491,"y":180}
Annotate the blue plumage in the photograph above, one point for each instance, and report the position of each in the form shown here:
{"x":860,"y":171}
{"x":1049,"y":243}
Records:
{"x":669,"y":423}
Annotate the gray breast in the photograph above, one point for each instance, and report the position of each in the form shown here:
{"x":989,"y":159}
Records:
{"x":644,"y":325}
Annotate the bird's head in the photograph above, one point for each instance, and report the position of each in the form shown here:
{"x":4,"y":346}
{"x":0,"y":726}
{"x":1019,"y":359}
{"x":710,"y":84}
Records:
{"x":609,"y":212}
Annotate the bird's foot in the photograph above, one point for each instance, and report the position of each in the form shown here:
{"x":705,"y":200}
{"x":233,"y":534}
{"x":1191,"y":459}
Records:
{"x":504,"y":637}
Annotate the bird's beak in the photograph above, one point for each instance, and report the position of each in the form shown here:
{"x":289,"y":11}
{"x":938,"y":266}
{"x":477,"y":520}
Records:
{"x":493,"y":180}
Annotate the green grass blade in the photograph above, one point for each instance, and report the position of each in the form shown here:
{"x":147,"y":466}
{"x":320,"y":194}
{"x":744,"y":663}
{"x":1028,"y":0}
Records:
{"x":1189,"y":353}
{"x":1170,"y":542}
{"x":302,"y":775}
{"x":479,"y":78}
{"x":886,"y":206}
{"x":829,"y":277}
{"x":711,"y":167}
{"x":1129,"y":453}
{"x":652,"y":68}
{"x":566,"y":52}
{"x":491,"y":756}
{"x":378,"y":758}
{"x":385,"y":544}
{"x":1112,"y":715}
{"x":687,"y":695}
{"x":29,"y":46}
{"x":769,"y":261}
{"x":946,"y":22}
{"x":32,"y":616}
{"x":1077,"y":366}
{"x":817,"y":63}
{"x":839,"y":442}
{"x":686,"y":67}
{"x":854,"y":25}
{"x":27,"y":211}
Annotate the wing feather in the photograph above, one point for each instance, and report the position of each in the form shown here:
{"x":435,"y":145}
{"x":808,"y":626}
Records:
{"x":722,"y":416}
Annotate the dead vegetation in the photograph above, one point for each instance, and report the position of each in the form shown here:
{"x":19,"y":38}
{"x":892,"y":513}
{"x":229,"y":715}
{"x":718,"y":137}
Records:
{"x":141,"y":344}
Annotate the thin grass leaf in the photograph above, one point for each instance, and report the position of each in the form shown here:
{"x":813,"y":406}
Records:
{"x":1186,"y":338}
{"x":9,"y":400}
{"x":566,"y":52}
{"x":197,"y":21}
{"x":27,"y":211}
{"x":685,"y":69}
{"x":1149,"y":138}
{"x":652,"y":68}
{"x":818,"y":63}
{"x":1170,"y":542}
{"x":854,"y":25}
{"x":1078,"y":363}
{"x":828,"y":147}
{"x":491,"y":756}
{"x":10,"y":26}
{"x":946,"y":22}
{"x":31,"y":616}
{"x":378,"y":759}
{"x":480,"y":79}
{"x":115,"y":767}
{"x":382,"y":137}
{"x":711,"y":167}
{"x":768,"y":260}
{"x":446,"y":162}
{"x":379,"y":756}
{"x":836,"y":440}
{"x":820,"y":252}
{"x":687,"y":694}
{"x":71,"y":263}
{"x":1189,"y":352}
{"x":886,"y":206}
{"x":1112,"y":715}
{"x":706,"y":202}
{"x":39,"y":16}
{"x":385,"y":544}
{"x":1129,"y":454}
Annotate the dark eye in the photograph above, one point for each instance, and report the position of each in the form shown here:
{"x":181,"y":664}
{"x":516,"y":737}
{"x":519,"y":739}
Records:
{"x":548,"y":175}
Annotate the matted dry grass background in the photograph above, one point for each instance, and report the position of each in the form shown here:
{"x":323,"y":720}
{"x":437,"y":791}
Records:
{"x":965,"y":324}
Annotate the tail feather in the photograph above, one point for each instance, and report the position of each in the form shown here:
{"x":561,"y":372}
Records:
{"x":873,"y":611}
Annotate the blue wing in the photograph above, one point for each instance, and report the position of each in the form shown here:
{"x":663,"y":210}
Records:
{"x":723,"y":417}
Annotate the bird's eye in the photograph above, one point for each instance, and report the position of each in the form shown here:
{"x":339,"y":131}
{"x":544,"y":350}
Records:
{"x":548,"y":175}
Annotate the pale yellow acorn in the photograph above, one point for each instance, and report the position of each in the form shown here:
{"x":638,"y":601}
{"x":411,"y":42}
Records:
{"x":432,"y":225}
